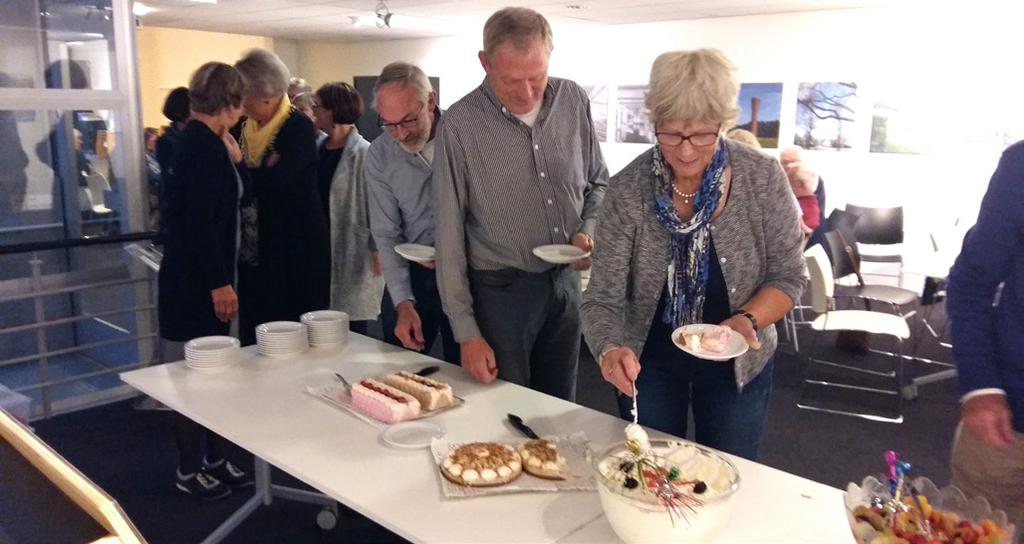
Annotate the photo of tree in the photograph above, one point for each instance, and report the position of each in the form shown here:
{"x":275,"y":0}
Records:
{"x":598,"y":95}
{"x":631,"y":123}
{"x":760,"y":107}
{"x":825,"y":115}
{"x":903,"y":121}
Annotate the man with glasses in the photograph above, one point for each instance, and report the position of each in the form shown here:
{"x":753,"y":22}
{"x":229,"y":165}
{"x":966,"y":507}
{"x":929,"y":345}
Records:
{"x":518,"y":167}
{"x":398,"y":172}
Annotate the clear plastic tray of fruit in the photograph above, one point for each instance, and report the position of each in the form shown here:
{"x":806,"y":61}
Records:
{"x":949,"y":514}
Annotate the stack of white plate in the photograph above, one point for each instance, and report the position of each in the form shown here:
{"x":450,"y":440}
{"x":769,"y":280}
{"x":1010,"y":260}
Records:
{"x":281,"y":339}
{"x":212,"y":352}
{"x":326,"y":327}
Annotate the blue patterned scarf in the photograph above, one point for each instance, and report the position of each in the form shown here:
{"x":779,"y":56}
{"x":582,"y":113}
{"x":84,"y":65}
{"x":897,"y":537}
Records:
{"x":691,"y":241}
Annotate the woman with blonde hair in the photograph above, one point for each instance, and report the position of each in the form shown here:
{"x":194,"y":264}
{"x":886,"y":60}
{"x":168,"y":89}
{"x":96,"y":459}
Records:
{"x":698,"y":229}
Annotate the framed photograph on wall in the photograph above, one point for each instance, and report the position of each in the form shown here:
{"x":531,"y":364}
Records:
{"x":631,"y":123}
{"x":367,"y":124}
{"x":825,"y":114}
{"x":760,"y":107}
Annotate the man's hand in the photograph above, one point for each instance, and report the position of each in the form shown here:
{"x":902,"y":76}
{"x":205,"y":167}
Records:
{"x":740,"y":324}
{"x":620,"y":367}
{"x":583,"y":241}
{"x":478,"y":359}
{"x":225,"y":303}
{"x":408,"y":327}
{"x":429,"y":265}
{"x":375,"y":263}
{"x":989,"y":418}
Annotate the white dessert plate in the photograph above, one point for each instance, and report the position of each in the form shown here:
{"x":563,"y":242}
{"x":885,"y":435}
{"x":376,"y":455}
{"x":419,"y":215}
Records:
{"x":417,"y":253}
{"x":560,"y":253}
{"x":411,"y":434}
{"x":323,"y":316}
{"x":735,"y":347}
{"x":212,"y":343}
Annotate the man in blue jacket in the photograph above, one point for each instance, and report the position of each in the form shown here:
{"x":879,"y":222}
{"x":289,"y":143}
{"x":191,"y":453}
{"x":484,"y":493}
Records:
{"x":986,"y":306}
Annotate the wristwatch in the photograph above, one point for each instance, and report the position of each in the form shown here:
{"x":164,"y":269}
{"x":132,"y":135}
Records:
{"x":748,"y":315}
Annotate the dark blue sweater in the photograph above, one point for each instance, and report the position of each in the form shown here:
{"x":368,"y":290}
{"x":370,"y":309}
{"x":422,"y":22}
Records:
{"x":988,"y":333}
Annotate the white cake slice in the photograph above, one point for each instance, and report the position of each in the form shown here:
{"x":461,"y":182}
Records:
{"x":432,"y":394}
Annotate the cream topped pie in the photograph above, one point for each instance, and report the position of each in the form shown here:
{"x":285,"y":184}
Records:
{"x":482,"y":464}
{"x":541,"y":459}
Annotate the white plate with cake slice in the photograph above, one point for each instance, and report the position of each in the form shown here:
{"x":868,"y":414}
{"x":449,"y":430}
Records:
{"x":711,"y":342}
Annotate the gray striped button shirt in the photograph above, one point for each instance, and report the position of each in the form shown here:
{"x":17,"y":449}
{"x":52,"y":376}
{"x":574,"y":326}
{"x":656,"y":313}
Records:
{"x":502,"y":188}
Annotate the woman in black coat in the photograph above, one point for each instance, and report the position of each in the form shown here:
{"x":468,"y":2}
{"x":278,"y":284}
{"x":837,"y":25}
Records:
{"x":196,"y":288}
{"x":284,"y":260}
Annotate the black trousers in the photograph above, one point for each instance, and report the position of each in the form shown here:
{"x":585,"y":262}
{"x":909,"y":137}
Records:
{"x":532,"y":322}
{"x":428,"y":306}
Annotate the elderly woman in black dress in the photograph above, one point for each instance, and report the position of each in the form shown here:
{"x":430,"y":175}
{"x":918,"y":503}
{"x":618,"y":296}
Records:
{"x":284,"y":260}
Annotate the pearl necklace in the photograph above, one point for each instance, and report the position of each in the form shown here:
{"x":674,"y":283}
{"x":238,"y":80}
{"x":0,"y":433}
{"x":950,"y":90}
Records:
{"x":687,"y":197}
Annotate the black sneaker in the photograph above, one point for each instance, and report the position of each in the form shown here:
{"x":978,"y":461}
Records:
{"x":202,"y":486}
{"x":229,"y":473}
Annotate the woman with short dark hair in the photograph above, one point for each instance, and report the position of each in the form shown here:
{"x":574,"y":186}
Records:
{"x":197,"y":275}
{"x":284,"y":260}
{"x":356,"y":282}
{"x":176,"y":110}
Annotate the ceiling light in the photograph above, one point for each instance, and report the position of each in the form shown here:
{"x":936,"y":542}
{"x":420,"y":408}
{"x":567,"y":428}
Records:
{"x":383,"y":15}
{"x":139,"y":9}
{"x":205,"y":1}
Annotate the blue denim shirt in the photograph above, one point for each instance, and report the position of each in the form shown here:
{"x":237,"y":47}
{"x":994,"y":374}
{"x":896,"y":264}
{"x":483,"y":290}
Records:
{"x":988,"y":339}
{"x":401,"y":208}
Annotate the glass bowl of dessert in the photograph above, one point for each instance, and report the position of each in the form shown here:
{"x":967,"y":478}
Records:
{"x":669,"y":491}
{"x":922,"y":512}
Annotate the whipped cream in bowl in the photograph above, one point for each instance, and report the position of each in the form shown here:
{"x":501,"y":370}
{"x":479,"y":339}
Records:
{"x":690,"y":502}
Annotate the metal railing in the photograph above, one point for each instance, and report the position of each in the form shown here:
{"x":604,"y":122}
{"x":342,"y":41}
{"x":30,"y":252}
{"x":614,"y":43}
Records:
{"x":135,"y":288}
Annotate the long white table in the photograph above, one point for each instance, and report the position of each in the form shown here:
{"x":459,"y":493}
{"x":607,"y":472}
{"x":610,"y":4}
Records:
{"x":261,"y":405}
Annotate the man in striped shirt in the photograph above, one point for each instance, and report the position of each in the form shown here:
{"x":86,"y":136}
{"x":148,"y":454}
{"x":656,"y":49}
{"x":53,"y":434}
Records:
{"x":518,"y":166}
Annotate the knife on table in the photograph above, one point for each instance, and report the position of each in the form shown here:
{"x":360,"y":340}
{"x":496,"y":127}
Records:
{"x":427,"y":370}
{"x":517,"y":422}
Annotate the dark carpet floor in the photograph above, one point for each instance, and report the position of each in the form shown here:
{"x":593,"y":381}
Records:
{"x":130,"y":454}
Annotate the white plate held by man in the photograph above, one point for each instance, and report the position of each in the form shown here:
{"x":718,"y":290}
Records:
{"x":712,"y":342}
{"x":417,"y":253}
{"x":560,"y":253}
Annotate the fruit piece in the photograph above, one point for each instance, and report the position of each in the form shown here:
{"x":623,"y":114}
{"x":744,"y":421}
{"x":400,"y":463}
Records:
{"x":700,"y":487}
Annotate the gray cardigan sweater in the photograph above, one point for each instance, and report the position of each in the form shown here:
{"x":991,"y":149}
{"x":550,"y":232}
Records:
{"x":757,"y":237}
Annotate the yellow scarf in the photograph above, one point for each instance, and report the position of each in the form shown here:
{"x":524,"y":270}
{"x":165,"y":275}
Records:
{"x":257,"y":141}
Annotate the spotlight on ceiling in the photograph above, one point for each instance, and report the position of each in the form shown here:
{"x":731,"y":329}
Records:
{"x":383,"y":15}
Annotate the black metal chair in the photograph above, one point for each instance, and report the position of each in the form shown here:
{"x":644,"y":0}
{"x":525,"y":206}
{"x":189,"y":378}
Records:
{"x":842,"y":250}
{"x":880,"y":231}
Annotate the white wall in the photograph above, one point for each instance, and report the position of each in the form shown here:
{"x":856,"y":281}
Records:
{"x":962,"y":63}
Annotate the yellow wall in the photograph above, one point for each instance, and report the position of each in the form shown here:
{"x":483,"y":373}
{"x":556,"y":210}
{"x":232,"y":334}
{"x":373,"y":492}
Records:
{"x":168,"y":56}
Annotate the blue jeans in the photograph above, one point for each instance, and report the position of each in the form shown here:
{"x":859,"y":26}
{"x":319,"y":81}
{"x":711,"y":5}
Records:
{"x":724,"y":418}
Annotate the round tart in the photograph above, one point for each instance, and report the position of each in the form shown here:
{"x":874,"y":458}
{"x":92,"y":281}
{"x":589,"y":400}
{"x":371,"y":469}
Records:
{"x":482,"y":464}
{"x":541,"y":459}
